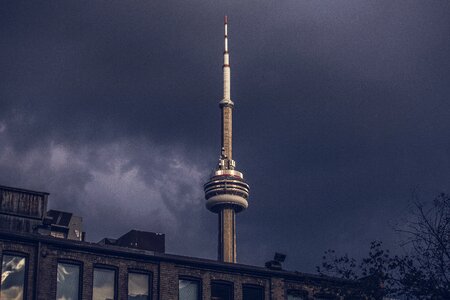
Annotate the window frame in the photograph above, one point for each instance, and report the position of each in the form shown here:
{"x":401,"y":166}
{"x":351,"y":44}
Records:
{"x":80,"y":274}
{"x":194,"y":279}
{"x":116,"y":277}
{"x":143,"y":272}
{"x":25,"y":275}
{"x":224,"y":282}
{"x":254,"y":286}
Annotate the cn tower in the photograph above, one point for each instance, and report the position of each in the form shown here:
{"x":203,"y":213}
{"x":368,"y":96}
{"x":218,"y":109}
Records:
{"x":226,"y":192}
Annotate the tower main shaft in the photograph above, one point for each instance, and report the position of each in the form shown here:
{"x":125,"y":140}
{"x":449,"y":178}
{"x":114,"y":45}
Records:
{"x":226,"y":192}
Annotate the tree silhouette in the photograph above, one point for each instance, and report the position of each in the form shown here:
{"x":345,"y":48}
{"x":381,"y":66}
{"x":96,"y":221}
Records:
{"x":422,"y":273}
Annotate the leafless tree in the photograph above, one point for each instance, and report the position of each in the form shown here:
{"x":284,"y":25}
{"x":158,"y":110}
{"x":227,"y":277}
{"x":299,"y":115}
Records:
{"x":422,"y":273}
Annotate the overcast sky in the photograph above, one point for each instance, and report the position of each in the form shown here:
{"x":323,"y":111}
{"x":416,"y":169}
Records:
{"x":341,"y":111}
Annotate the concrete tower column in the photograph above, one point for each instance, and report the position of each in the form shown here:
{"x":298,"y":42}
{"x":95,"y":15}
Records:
{"x":227,"y":235}
{"x":227,"y":134}
{"x":226,"y":192}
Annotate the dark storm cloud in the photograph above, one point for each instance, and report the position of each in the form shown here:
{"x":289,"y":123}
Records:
{"x":341,"y":110}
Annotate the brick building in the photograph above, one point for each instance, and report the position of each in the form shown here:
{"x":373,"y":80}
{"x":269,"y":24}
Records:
{"x":38,"y":264}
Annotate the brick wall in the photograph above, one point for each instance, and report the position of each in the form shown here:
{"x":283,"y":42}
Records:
{"x":164,"y":274}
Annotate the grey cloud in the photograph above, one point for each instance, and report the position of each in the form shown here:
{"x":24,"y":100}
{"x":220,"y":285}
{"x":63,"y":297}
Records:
{"x":115,"y":187}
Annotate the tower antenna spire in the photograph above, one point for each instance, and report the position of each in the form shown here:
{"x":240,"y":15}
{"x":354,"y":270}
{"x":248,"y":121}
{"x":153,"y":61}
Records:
{"x":226,"y":192}
{"x":226,"y":104}
{"x":226,"y":66}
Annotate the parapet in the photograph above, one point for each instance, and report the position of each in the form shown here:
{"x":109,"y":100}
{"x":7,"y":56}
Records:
{"x":21,"y":210}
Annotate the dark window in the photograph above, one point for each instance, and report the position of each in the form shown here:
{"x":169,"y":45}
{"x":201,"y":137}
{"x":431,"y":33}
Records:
{"x":104,"y":285}
{"x":221,"y":291}
{"x":188,"y":289}
{"x":297,"y":295}
{"x":253,"y":293}
{"x":13,"y":277}
{"x":138,"y":286}
{"x":321,"y":296}
{"x":68,"y":282}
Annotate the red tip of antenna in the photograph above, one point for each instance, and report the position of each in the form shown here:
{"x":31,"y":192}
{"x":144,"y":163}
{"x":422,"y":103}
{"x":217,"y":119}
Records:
{"x":226,"y":19}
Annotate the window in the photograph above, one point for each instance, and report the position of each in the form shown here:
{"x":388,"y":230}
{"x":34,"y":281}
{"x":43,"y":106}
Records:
{"x":322,"y":296}
{"x":138,"y":286}
{"x":68,"y":282}
{"x":188,"y":289}
{"x":221,"y":291}
{"x":297,"y":295}
{"x":253,"y":292}
{"x":104,"y":285}
{"x":13,"y":277}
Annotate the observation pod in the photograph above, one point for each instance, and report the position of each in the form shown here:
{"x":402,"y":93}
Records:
{"x":226,"y":188}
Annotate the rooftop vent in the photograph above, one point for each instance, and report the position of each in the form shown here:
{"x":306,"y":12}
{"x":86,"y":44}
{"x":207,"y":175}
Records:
{"x":275,"y":264}
{"x":142,"y":240}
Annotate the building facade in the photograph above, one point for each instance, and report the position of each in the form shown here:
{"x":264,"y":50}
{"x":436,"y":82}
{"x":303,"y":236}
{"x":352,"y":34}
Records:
{"x":42,"y":267}
{"x":40,"y":263}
